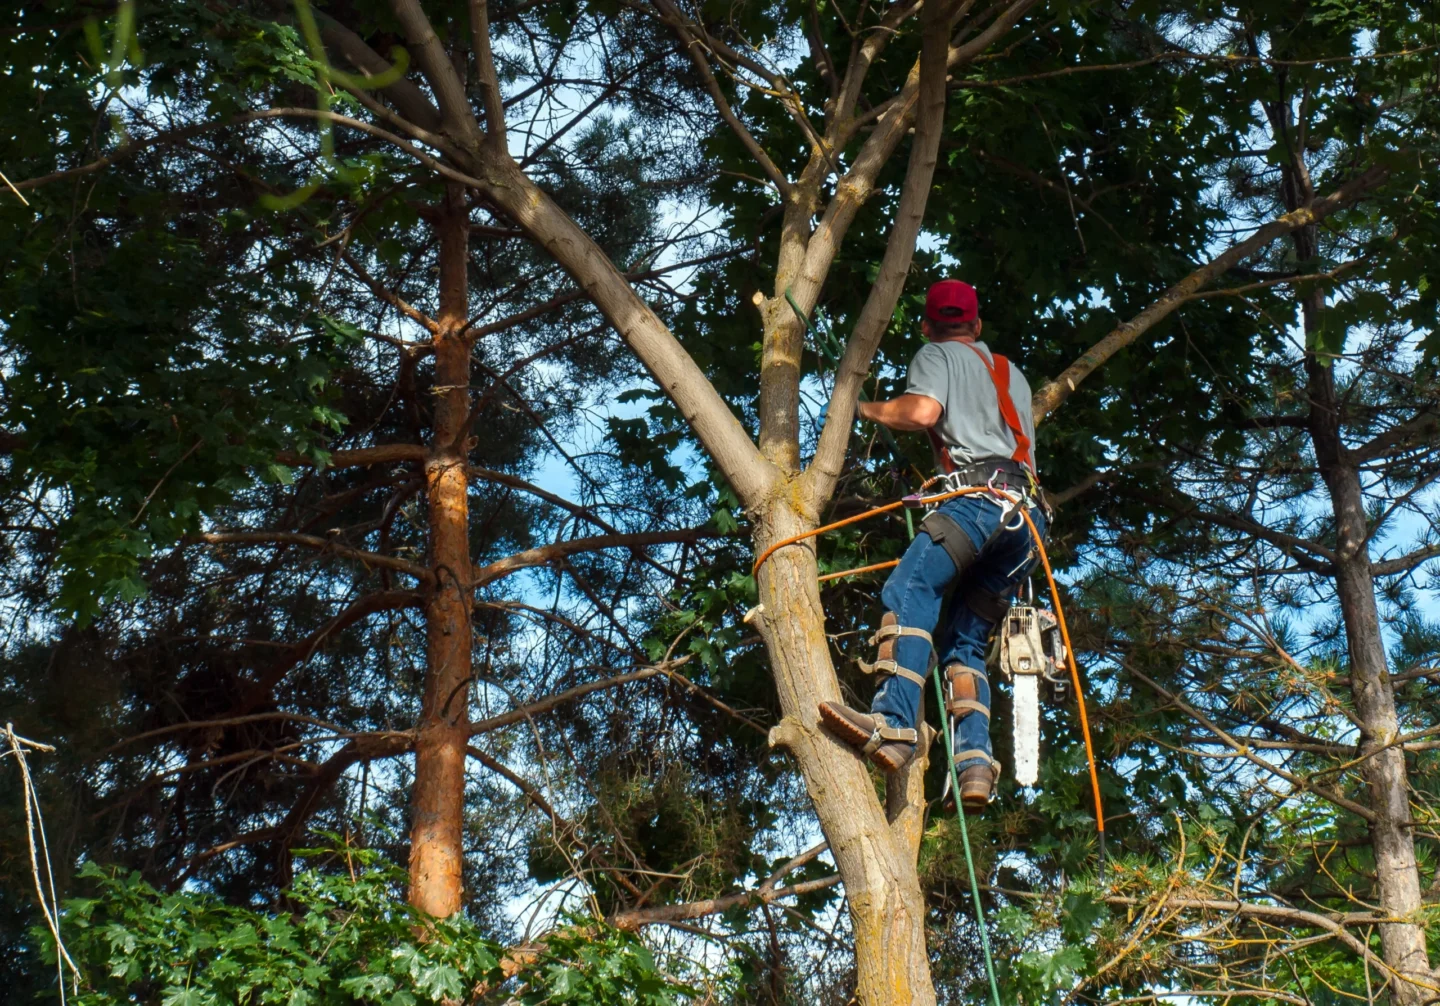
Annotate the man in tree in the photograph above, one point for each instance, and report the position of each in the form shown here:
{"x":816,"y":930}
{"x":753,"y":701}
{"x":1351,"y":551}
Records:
{"x":975,"y":406}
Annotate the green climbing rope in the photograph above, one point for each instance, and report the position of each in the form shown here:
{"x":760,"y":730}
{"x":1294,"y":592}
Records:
{"x":960,"y":813}
{"x":965,"y":837}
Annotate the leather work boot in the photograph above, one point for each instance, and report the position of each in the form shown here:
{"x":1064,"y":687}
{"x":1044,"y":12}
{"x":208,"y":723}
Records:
{"x":977,"y":783}
{"x":887,"y":746}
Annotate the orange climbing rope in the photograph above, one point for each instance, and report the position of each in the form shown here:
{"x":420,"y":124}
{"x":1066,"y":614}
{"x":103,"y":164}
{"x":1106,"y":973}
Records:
{"x":860,"y":569}
{"x":1054,"y":596}
{"x":1075,"y":680}
{"x":852,"y":520}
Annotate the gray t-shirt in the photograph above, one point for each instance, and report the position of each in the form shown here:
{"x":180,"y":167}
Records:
{"x":971,"y":426}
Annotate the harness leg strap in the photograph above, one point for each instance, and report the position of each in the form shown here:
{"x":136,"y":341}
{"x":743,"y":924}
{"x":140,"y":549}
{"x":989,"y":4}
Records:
{"x":949,"y":535}
{"x":987,"y":604}
{"x":888,"y":667}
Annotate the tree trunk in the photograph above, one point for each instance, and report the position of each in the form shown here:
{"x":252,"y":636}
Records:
{"x":1391,"y":837}
{"x":438,"y":796}
{"x":887,"y":906}
{"x":876,"y":859}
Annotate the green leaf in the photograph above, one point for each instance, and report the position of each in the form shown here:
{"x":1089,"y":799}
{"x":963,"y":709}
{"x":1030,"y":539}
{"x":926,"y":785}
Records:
{"x":438,"y":981}
{"x":176,"y":996}
{"x":1082,"y":911}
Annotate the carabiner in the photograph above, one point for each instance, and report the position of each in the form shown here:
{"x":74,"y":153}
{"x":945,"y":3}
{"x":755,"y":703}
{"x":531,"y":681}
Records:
{"x":1008,"y":506}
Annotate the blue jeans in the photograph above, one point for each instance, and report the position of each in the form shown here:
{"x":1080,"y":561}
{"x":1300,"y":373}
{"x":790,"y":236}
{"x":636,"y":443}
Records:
{"x":916,"y":591}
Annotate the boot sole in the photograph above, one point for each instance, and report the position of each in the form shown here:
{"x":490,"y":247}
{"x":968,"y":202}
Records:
{"x":856,"y":736}
{"x":974,"y":802}
{"x":851,"y":733}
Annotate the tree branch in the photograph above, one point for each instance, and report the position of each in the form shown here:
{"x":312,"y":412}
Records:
{"x":389,"y":600}
{"x":455,"y":115}
{"x":1301,"y":785}
{"x":549,"y":553}
{"x":1406,"y":562}
{"x":1423,"y":424}
{"x":315,"y":542}
{"x":1277,"y":913}
{"x":673,"y":369}
{"x":407,"y":97}
{"x":515,"y":482}
{"x":1292,"y":545}
{"x":1049,"y":397}
{"x":360,"y":457}
{"x":672,"y":17}
{"x":133,"y":147}
{"x":390,"y":296}
{"x":544,"y":705}
{"x":367,"y":748}
{"x":636,"y":917}
{"x":226,"y":721}
{"x":485,"y":69}
{"x":880,"y":303}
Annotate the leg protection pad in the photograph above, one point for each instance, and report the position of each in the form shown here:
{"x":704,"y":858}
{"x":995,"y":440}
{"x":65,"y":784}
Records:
{"x":962,"y":696}
{"x":949,"y":535}
{"x":884,"y":643}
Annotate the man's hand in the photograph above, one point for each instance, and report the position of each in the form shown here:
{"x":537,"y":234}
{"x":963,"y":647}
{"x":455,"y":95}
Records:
{"x":908,"y":412}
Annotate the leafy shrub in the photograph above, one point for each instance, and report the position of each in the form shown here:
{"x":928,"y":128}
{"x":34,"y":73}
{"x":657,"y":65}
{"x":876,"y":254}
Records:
{"x":347,"y":939}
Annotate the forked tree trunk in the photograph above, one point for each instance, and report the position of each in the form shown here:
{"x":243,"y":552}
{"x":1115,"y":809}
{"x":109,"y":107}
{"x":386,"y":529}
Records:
{"x":876,"y":860}
{"x":1391,"y":832}
{"x":882,"y":885}
{"x":438,"y":795}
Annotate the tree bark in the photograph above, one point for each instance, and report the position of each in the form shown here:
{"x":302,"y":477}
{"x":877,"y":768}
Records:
{"x":874,"y":848}
{"x":1391,"y":835}
{"x":882,"y":885}
{"x":438,"y":795}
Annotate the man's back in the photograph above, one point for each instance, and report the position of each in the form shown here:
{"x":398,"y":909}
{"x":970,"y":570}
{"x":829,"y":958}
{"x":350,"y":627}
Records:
{"x":954,"y":374}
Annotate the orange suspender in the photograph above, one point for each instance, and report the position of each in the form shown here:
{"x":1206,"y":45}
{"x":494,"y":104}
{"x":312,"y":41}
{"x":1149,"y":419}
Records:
{"x":947,"y":463}
{"x":1000,"y":376}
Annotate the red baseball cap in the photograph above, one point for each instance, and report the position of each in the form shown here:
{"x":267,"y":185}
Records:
{"x":951,"y":302}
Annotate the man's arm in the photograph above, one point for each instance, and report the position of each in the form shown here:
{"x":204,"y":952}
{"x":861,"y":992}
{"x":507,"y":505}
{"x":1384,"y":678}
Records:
{"x":908,"y":412}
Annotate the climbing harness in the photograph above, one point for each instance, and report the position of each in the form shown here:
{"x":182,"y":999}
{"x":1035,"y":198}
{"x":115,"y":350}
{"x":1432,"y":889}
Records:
{"x":1023,"y":457}
{"x":999,"y":368}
